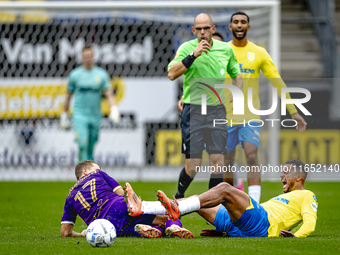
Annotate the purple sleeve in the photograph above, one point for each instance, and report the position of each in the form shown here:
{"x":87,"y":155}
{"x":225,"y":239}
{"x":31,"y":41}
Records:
{"x":69,"y":215}
{"x":110,"y":181}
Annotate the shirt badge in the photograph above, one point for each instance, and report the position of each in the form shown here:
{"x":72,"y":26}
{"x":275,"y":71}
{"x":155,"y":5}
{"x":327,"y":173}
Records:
{"x":177,"y":54}
{"x":251,"y":56}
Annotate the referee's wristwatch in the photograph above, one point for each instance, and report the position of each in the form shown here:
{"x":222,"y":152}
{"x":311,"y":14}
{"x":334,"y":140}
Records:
{"x":192,"y":55}
{"x":187,"y":62}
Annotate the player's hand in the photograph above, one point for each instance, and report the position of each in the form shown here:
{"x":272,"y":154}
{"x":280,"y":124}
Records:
{"x":114,"y":114}
{"x":180,"y":105}
{"x":212,"y":233}
{"x":301,"y":123}
{"x":83,"y":233}
{"x":64,"y":121}
{"x":286,"y":233}
{"x":231,"y":97}
{"x":203,"y":46}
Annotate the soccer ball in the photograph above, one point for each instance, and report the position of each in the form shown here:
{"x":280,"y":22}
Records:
{"x":101,"y":233}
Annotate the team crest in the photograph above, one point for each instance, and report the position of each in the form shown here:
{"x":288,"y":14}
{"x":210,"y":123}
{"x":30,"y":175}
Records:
{"x":251,"y":56}
{"x":97,"y":79}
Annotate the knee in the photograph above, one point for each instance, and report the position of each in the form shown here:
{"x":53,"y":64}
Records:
{"x":216,"y":159}
{"x":251,"y":158}
{"x":223,"y":187}
{"x":225,"y":190}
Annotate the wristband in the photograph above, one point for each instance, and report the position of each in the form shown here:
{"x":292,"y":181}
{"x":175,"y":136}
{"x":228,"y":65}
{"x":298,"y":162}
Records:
{"x":187,"y":62}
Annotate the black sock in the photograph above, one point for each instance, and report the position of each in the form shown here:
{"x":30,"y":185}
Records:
{"x":183,"y":183}
{"x":215,"y":179}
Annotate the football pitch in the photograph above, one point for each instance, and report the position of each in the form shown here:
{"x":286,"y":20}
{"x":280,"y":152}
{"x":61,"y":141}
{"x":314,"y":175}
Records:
{"x":30,"y":215}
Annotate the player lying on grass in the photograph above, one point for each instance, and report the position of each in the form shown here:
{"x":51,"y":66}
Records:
{"x":98,"y":196}
{"x":236,"y":214}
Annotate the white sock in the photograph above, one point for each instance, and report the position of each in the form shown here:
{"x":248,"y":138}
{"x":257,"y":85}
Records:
{"x":189,"y":204}
{"x":255,"y":192}
{"x":154,"y":207}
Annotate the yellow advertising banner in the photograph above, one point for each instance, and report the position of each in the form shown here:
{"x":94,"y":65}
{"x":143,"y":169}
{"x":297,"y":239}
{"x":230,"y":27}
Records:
{"x":43,"y":100}
{"x":168,"y":147}
{"x":31,"y":101}
{"x":310,"y":146}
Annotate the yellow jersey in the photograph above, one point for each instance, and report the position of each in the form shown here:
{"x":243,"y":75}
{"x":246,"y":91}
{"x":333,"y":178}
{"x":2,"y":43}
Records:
{"x":253,"y":59}
{"x":288,"y":210}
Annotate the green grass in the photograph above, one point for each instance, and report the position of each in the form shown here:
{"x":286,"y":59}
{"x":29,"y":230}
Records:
{"x":30,"y":216}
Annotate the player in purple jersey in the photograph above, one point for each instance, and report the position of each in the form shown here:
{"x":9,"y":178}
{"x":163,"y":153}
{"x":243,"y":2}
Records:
{"x":98,"y":196}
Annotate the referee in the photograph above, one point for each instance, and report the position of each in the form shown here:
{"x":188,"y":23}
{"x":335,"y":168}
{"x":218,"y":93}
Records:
{"x":204,"y":63}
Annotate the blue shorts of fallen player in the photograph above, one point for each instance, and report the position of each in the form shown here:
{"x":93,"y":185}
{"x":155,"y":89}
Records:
{"x":243,"y":133}
{"x":253,"y":222}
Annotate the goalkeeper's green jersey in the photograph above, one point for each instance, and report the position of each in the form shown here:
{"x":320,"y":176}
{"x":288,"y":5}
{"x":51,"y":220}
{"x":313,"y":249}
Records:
{"x":87,"y":87}
{"x":206,"y":71}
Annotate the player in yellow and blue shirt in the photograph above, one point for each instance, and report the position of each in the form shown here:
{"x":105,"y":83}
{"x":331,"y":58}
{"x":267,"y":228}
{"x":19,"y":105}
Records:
{"x":252,"y":60}
{"x":236,"y":214}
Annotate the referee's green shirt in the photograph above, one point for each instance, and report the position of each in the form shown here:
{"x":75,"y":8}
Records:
{"x":206,"y":71}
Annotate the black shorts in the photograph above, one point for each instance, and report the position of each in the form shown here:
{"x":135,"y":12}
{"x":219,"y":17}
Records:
{"x":198,"y":129}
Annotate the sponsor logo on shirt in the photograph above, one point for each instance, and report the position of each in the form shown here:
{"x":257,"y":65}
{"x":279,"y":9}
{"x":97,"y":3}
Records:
{"x":85,"y":90}
{"x":246,"y":70}
{"x":314,"y":206}
{"x":282,"y":200}
{"x":97,"y":79}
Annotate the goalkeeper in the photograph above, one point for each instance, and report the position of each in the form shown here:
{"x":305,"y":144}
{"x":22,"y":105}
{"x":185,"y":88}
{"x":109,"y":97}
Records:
{"x":87,"y":82}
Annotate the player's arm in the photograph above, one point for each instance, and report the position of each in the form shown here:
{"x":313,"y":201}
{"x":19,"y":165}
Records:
{"x":184,"y":60}
{"x":238,"y":81}
{"x":67,"y":231}
{"x":112,"y":183}
{"x":233,"y":69}
{"x":67,"y":222}
{"x":180,"y":104}
{"x":308,"y":226}
{"x":110,"y":97}
{"x":270,"y":71}
{"x":119,"y":191}
{"x":64,"y":121}
{"x":67,"y":101}
{"x":309,"y":207}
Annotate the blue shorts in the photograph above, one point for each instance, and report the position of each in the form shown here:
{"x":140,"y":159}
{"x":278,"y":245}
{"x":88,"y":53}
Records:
{"x":240,"y":133}
{"x":125,"y":224}
{"x":253,"y":222}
